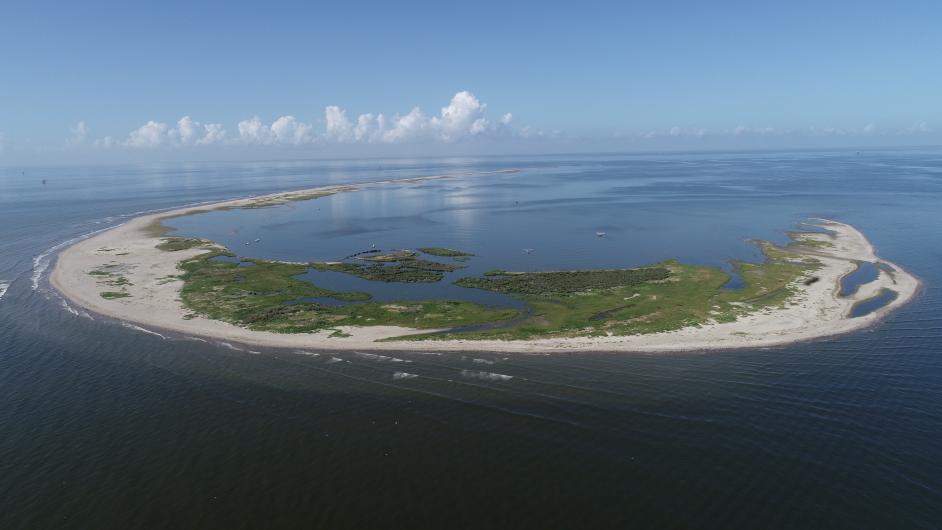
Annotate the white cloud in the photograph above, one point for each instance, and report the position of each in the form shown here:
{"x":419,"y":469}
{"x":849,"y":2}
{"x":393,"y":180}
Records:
{"x":412,"y":126}
{"x":463,"y":118}
{"x":151,"y":134}
{"x":254,"y":131}
{"x":339,"y":127}
{"x":106,"y":143}
{"x":285,"y":130}
{"x":187,"y":132}
{"x":369,"y":128}
{"x":79,"y":134}
{"x":918,"y":128}
{"x":215,"y":133}
{"x":288,"y":130}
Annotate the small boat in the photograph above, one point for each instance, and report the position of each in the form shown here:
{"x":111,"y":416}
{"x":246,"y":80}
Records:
{"x":246,"y":242}
{"x":528,"y":250}
{"x":600,"y":234}
{"x":257,"y":239}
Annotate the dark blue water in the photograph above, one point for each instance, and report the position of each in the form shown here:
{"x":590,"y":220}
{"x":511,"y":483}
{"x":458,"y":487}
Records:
{"x":105,"y":426}
{"x":865,"y":273}
{"x":865,"y":307}
{"x":392,"y":291}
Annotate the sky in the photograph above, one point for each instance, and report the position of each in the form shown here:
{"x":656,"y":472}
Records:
{"x":100,"y":81}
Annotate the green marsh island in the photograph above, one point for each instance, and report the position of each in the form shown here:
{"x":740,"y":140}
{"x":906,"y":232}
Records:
{"x":435,"y":296}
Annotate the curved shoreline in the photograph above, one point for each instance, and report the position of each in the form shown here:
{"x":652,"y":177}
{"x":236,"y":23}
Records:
{"x":816,"y":312}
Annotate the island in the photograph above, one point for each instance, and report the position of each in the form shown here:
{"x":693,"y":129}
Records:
{"x":140,"y":273}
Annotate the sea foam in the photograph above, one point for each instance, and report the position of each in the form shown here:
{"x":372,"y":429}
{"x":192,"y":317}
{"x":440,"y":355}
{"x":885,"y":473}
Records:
{"x":485,"y":376}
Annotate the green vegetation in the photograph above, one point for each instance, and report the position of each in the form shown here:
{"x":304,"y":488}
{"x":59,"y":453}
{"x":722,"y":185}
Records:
{"x":399,"y":266}
{"x":662,"y":297}
{"x":112,"y":275}
{"x":665,"y":297}
{"x":444,"y":252}
{"x":816,"y":243}
{"x":176,"y":244}
{"x":396,"y":255}
{"x":541,"y":283}
{"x":269,"y":297}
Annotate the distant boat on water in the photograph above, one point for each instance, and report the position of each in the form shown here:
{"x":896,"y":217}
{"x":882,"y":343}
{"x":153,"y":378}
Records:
{"x":600,"y":234}
{"x":528,"y":250}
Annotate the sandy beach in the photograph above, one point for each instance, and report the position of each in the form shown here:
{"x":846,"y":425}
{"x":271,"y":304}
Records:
{"x":153,"y":302}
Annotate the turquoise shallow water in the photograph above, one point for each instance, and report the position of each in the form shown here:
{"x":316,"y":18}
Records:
{"x":108,"y":426}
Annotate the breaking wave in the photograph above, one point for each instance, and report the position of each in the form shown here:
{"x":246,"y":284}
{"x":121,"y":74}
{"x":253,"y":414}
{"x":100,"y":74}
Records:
{"x":3,"y":288}
{"x":142,"y":330}
{"x":485,"y":376}
{"x":41,"y":261}
{"x":382,"y":358}
{"x":403,"y":375}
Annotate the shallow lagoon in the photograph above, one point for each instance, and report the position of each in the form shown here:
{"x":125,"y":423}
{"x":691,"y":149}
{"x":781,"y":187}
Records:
{"x":556,"y":213}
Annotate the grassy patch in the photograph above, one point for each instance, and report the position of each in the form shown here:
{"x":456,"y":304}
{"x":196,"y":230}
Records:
{"x":400,"y":266}
{"x":541,"y":283}
{"x":112,"y":275}
{"x":269,"y":297}
{"x":111,"y":295}
{"x":662,"y":297}
{"x":444,"y":252}
{"x":176,"y":244}
{"x":665,"y":297}
{"x":387,"y":257}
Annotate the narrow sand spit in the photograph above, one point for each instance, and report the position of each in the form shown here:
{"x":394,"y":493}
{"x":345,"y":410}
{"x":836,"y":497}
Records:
{"x":153,"y":301}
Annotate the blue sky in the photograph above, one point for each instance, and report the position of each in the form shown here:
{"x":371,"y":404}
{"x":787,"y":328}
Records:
{"x":79,"y":78}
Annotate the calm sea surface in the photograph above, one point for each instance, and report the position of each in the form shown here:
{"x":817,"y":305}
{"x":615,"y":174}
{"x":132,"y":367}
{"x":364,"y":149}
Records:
{"x":107,"y":426}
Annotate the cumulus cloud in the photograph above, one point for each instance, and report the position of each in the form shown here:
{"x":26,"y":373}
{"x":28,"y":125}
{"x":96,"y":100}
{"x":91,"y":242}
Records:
{"x":151,"y":134}
{"x":186,"y":132}
{"x":285,"y":130}
{"x":79,"y":134}
{"x":338,"y":126}
{"x":461,"y":119}
{"x":214,"y":133}
{"x":288,"y":130}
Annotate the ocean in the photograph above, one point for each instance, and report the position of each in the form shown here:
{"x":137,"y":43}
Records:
{"x":107,"y":425}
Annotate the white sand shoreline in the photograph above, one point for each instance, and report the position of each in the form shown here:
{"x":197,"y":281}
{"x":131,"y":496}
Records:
{"x":817,"y":312}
